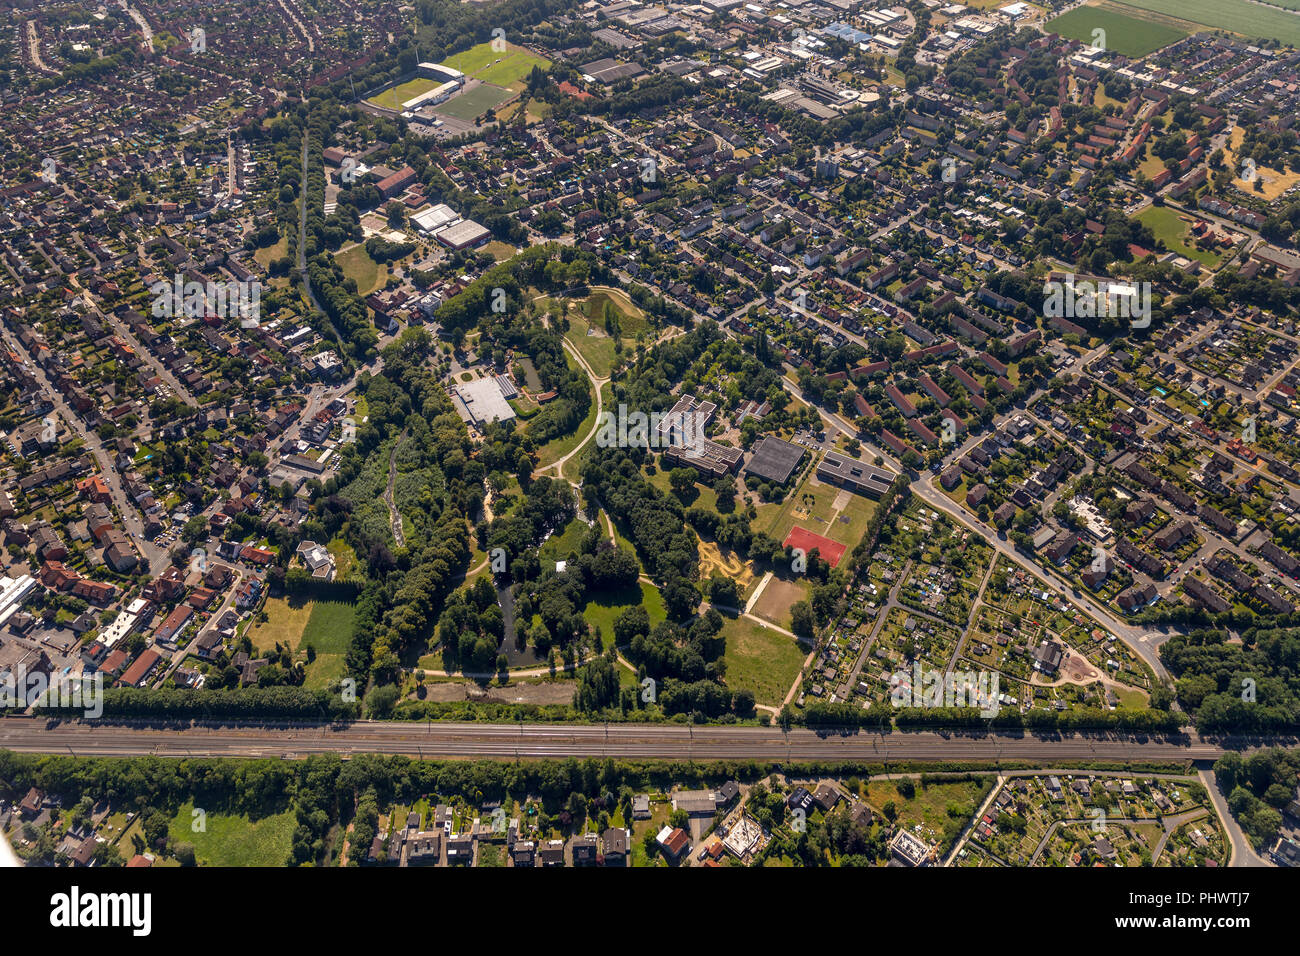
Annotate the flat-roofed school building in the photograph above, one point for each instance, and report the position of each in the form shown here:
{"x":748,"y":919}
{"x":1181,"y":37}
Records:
{"x":856,"y":476}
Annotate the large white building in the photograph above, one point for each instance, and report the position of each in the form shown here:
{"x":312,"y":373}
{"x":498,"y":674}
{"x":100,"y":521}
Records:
{"x":124,"y":623}
{"x":13,"y":592}
{"x":441,"y":71}
{"x":482,"y":401}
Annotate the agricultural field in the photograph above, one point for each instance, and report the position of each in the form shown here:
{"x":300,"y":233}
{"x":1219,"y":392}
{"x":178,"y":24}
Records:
{"x":1236,"y":16}
{"x":1131,"y":36}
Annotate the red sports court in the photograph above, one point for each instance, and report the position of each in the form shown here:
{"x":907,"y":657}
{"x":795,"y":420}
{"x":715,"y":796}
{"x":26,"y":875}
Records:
{"x":802,"y":538}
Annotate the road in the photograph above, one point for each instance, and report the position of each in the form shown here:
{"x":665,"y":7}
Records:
{"x":126,"y":335}
{"x":298,"y":27}
{"x":34,"y":49}
{"x":1242,"y":852}
{"x":1145,"y":642}
{"x":131,"y":518}
{"x":180,"y":654}
{"x":596,"y":384}
{"x":632,"y":741}
{"x":145,"y":30}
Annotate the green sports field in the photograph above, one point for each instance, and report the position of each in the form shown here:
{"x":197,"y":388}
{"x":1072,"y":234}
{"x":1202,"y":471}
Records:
{"x":512,"y":69}
{"x":476,"y":102}
{"x":1124,"y":34}
{"x":394,"y":98}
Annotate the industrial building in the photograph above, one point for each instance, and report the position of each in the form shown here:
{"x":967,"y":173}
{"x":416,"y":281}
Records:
{"x":481,"y":402}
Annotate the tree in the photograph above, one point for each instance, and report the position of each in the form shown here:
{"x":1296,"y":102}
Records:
{"x":196,"y":529}
{"x":723,"y":592}
{"x":742,"y":703}
{"x":725,"y":489}
{"x":597,"y":685}
{"x":681,"y":480}
{"x":802,"y":621}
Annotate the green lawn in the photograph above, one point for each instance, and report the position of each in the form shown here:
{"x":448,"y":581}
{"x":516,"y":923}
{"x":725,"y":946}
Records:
{"x":357,"y":264}
{"x":557,"y":448}
{"x":503,"y":68}
{"x":267,"y":254}
{"x":236,"y":840}
{"x":928,"y":805}
{"x":345,"y":558}
{"x":513,"y":68}
{"x":602,"y":609}
{"x":597,"y":349}
{"x":557,"y":546}
{"x":760,"y":659}
{"x":286,"y":619}
{"x":294,"y":623}
{"x":812,"y":505}
{"x":631,"y":319}
{"x":329,"y":632}
{"x":1128,"y":35}
{"x":394,"y":98}
{"x":474,"y":103}
{"x":1170,"y":228}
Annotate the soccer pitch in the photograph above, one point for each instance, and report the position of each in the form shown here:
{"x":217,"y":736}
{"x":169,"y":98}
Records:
{"x":474,"y":103}
{"x":393,"y":99}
